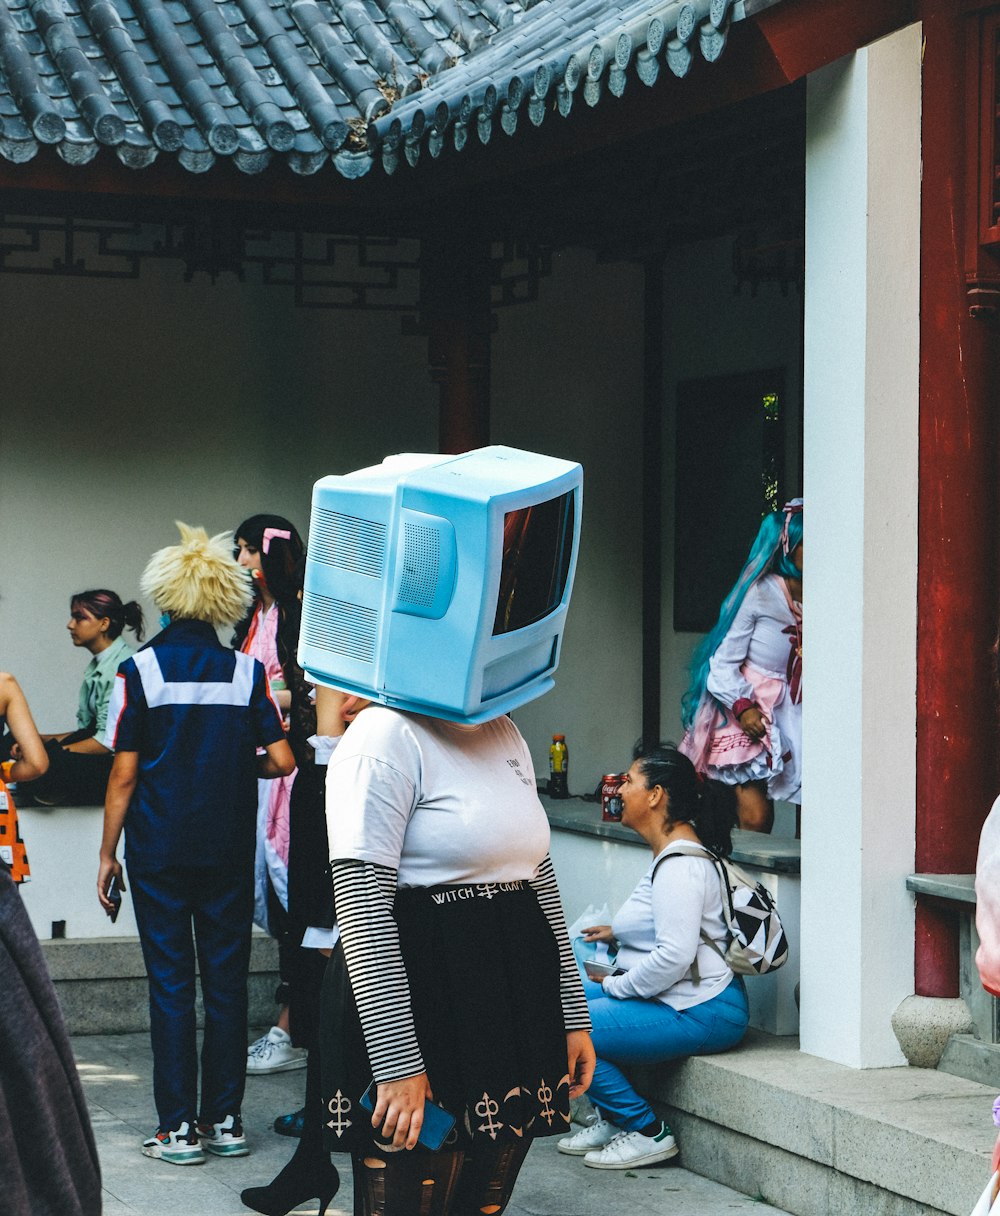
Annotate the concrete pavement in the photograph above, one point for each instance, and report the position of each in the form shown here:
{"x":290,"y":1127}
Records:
{"x":116,"y":1071}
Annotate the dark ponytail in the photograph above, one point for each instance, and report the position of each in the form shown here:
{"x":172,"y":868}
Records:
{"x":710,"y":806}
{"x":103,"y":603}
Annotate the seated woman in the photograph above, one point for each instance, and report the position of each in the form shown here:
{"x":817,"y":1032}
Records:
{"x":673,"y":994}
{"x":79,"y":763}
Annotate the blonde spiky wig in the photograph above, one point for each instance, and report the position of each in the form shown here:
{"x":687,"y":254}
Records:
{"x":198,"y":579}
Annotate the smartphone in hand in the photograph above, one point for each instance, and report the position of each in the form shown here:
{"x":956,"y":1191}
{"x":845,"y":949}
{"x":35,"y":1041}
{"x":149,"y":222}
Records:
{"x":598,"y":971}
{"x":114,"y":894}
{"x":437,"y":1123}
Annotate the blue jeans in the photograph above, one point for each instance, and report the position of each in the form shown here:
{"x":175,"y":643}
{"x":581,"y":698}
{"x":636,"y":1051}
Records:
{"x":218,"y":905}
{"x":637,"y":1031}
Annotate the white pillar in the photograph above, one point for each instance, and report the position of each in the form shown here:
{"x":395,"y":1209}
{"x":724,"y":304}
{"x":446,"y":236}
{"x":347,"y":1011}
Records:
{"x":860,"y":477}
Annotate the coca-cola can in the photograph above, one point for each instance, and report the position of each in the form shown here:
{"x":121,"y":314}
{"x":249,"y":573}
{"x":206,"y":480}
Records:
{"x":611,"y":799}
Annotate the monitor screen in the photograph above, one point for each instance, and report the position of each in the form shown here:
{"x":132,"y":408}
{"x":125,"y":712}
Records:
{"x":537,"y":551}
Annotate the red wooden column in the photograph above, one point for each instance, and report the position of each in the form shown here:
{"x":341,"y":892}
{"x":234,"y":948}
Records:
{"x":456,"y":316}
{"x":957,"y":586}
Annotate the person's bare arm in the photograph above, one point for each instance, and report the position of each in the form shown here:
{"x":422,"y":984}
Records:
{"x":32,"y":759}
{"x":277,"y":760}
{"x":121,"y":787}
{"x":581,"y":1061}
{"x":88,"y":747}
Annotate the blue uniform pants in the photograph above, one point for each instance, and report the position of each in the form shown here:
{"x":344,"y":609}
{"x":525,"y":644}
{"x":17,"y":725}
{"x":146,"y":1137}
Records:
{"x":637,"y":1031}
{"x":218,"y":905}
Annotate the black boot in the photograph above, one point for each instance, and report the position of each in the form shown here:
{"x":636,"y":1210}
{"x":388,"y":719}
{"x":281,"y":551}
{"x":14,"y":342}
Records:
{"x":301,"y":1179}
{"x":310,"y":1174}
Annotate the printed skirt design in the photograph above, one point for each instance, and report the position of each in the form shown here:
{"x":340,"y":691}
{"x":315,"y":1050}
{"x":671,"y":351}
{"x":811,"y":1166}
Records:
{"x":12,"y":849}
{"x":483,"y":969}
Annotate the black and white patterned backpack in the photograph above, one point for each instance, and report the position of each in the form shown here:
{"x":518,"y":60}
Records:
{"x":757,"y":941}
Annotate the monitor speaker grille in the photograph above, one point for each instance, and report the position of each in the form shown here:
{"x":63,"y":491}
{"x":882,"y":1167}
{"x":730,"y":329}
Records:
{"x":345,"y":629}
{"x":421,"y":565}
{"x":347,"y":542}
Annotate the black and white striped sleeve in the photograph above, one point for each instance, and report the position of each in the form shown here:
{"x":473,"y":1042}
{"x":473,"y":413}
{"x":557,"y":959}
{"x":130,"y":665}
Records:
{"x":364,"y":893}
{"x":574,"y":1004}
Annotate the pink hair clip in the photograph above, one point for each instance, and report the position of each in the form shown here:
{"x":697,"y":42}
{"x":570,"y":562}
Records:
{"x":274,"y":534}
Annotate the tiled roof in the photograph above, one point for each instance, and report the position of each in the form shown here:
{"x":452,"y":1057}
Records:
{"x":350,"y":81}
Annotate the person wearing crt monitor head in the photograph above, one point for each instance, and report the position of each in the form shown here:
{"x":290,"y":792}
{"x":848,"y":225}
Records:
{"x":467,"y":558}
{"x":444,"y":888}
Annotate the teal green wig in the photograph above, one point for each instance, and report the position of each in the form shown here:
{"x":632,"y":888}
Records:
{"x":779,"y":536}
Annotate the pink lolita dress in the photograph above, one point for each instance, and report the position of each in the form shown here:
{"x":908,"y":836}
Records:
{"x":273,"y":796}
{"x":760,"y":661}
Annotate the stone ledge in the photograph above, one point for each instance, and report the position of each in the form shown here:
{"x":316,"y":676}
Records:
{"x":814,"y":1137}
{"x":775,"y":854}
{"x":967,"y":1056}
{"x":102,"y":987}
{"x":961,"y":888}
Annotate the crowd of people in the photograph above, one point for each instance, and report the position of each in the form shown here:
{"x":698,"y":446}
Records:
{"x":402,"y":864}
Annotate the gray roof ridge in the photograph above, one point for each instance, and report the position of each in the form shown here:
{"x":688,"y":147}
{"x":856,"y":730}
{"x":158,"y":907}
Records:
{"x":354,"y":82}
{"x":630,"y":34}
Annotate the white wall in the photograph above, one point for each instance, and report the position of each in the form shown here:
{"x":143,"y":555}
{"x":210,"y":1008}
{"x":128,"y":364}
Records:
{"x":126,"y":405}
{"x":567,"y":379}
{"x":861,"y":414}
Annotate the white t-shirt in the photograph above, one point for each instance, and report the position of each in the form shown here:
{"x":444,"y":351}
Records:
{"x":438,"y":801}
{"x":659,"y":931}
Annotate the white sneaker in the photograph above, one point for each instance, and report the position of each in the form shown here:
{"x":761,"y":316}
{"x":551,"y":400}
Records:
{"x":225,"y":1139}
{"x":594,"y":1135}
{"x":273,"y":1052}
{"x":179,"y":1147}
{"x":630,"y":1149}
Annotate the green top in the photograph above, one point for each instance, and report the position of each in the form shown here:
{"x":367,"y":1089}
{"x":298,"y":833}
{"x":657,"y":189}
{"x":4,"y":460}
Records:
{"x":95,"y":691}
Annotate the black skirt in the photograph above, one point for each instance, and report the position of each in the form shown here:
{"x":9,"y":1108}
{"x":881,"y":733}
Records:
{"x":50,"y":1165}
{"x":483,"y":970}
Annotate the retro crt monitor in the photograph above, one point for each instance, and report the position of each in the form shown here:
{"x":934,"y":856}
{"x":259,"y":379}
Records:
{"x":440,"y":584}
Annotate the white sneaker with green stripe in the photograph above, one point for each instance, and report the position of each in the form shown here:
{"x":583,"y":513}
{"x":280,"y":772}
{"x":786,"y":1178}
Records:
{"x":631,"y":1149}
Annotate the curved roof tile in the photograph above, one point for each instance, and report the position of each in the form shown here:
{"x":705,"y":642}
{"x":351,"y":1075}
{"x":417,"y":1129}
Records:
{"x":312,"y":81}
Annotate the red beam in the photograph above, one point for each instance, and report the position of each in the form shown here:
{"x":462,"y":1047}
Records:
{"x":957,"y":584}
{"x":804,"y":35}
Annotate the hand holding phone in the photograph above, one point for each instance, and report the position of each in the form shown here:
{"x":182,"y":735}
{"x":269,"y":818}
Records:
{"x":437,"y":1123}
{"x":114,"y":895}
{"x":598,"y":971}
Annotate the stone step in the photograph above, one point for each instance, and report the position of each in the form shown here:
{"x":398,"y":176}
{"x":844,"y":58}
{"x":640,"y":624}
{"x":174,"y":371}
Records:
{"x":101,"y":984}
{"x":819,"y":1139}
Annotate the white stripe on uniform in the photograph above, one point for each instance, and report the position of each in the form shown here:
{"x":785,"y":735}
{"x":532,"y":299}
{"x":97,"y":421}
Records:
{"x":161,"y":692}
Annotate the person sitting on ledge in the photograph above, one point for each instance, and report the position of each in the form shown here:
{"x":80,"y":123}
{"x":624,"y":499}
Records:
{"x":671,"y":992}
{"x":79,"y":763}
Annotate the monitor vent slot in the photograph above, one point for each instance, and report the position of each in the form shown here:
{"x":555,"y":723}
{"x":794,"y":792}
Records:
{"x":421,"y":565}
{"x":348,"y":543}
{"x":345,"y":629}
